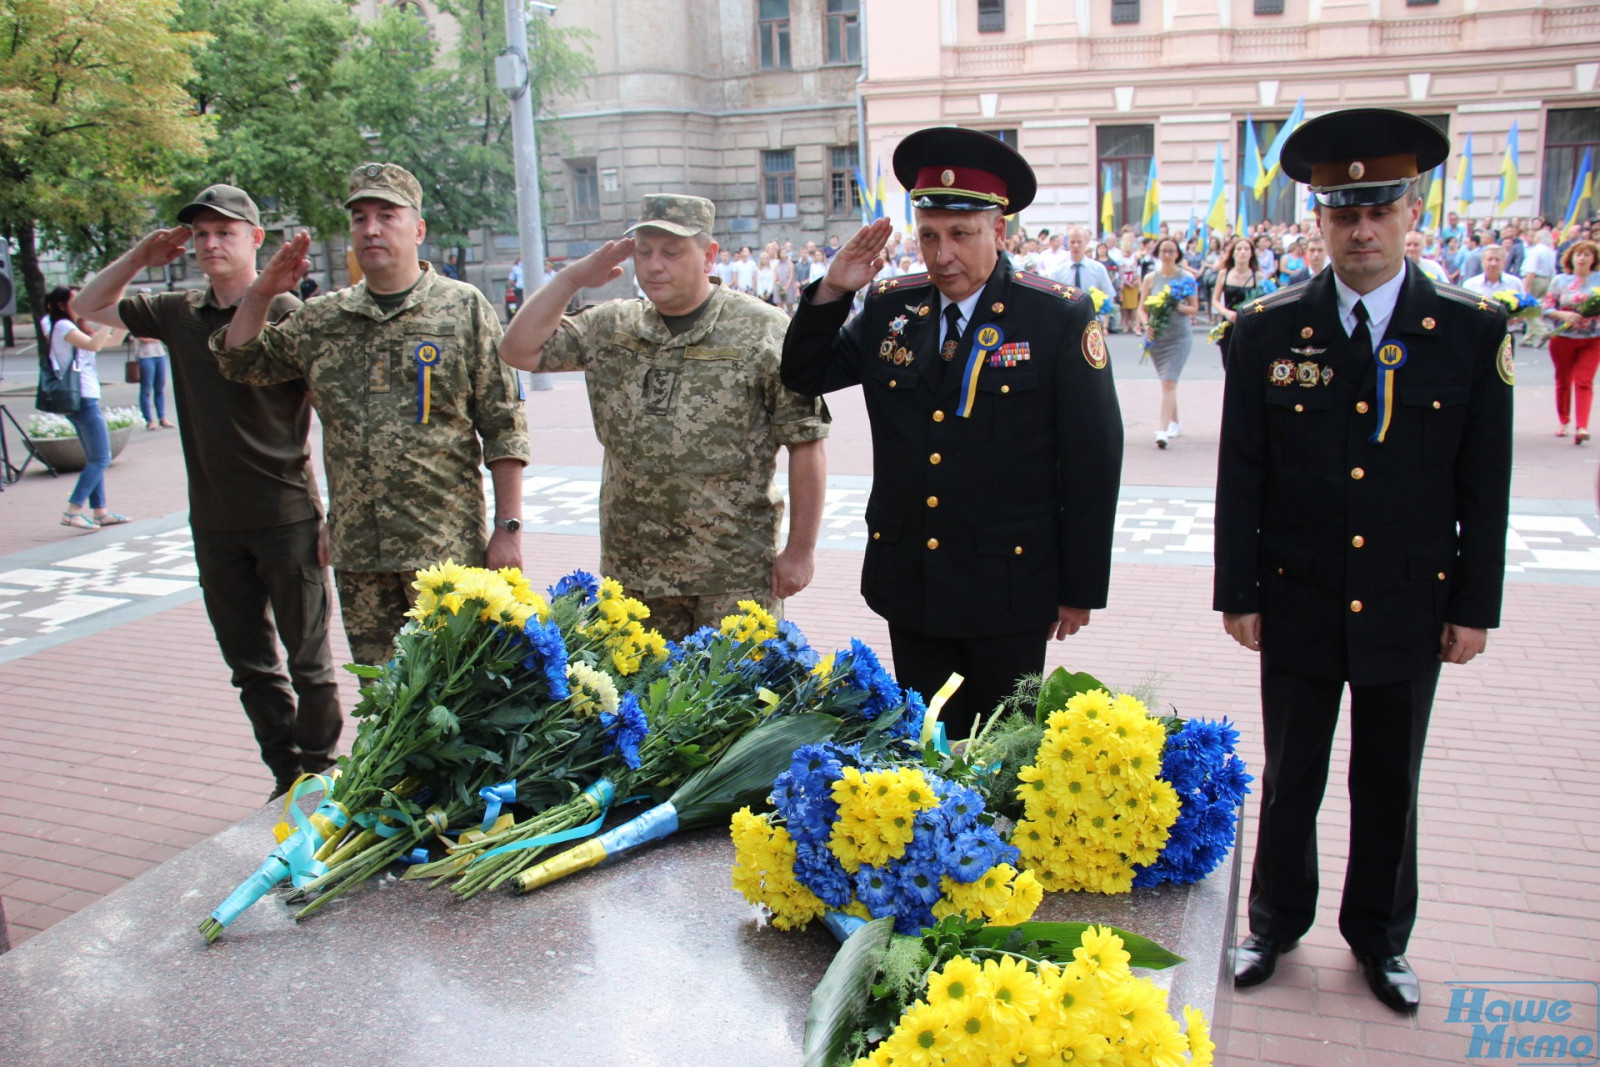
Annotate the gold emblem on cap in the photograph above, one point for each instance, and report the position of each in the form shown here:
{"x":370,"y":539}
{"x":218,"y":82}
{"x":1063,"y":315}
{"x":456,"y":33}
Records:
{"x":947,"y":178}
{"x":997,"y":307}
{"x":1357,"y":169}
{"x":1428,"y":323}
{"x":1306,"y":332}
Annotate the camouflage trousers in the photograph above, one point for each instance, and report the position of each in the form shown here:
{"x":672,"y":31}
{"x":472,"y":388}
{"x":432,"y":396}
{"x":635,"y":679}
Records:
{"x":374,"y":606}
{"x":676,"y":617}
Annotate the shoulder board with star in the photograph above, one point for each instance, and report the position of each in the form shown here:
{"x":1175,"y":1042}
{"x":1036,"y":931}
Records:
{"x":904,"y":281}
{"x":1048,"y":285}
{"x":1287,"y":295}
{"x":1474,"y":300}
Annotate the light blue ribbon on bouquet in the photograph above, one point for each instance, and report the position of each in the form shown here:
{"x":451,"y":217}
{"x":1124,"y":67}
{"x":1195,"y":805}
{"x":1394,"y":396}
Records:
{"x":841,"y":925}
{"x":601,"y":792}
{"x":494,"y":796}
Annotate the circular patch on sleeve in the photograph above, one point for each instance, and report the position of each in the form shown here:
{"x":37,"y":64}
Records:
{"x":1506,"y":365}
{"x":1094,"y":346}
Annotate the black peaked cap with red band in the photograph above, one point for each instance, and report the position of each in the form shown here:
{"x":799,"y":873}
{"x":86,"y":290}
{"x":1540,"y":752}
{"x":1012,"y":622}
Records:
{"x":947,"y":168}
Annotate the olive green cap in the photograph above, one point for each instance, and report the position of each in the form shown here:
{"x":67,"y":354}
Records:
{"x":676,"y":213}
{"x":227,"y":200}
{"x":384,"y":181}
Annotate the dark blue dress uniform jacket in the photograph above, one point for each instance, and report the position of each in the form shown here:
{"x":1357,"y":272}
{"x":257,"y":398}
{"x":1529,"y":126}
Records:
{"x":979,"y":526}
{"x":1356,"y":553}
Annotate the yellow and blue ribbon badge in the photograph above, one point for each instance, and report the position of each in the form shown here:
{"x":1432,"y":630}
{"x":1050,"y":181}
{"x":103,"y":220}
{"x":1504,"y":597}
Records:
{"x":988,"y":338}
{"x":1391,"y":356}
{"x":427,"y":359}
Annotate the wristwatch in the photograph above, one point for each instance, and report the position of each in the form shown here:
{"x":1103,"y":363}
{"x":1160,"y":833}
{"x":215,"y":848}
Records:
{"x":508,"y":525}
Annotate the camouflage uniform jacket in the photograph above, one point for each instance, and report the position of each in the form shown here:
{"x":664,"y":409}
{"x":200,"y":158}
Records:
{"x":403,"y":493}
{"x":691,"y":426}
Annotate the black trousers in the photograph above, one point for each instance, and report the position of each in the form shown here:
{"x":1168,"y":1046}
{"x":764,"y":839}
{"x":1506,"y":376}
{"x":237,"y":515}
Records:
{"x":989,"y":665}
{"x":1388,"y":727}
{"x":262,"y":586}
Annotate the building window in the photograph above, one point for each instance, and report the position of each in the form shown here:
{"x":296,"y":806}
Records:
{"x":777,"y":180}
{"x":1567,"y":133}
{"x":774,"y":29}
{"x":842,"y":181}
{"x":991,"y":16}
{"x":585,"y":190}
{"x":1124,"y":11}
{"x":1421,"y":3}
{"x":1269,"y":7}
{"x":1007,"y":137}
{"x":1124,"y":154}
{"x":844,"y":31}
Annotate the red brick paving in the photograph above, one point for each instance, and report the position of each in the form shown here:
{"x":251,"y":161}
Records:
{"x":119,"y":749}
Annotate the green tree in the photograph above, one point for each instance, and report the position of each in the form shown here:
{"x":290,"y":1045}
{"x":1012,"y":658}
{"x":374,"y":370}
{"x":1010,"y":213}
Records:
{"x":273,"y":75}
{"x":441,"y":117}
{"x":94,"y":121}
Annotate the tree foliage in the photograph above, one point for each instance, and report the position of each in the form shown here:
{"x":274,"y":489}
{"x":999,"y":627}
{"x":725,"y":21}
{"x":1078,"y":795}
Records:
{"x":274,"y":77}
{"x":440,"y":115}
{"x":94,"y":121}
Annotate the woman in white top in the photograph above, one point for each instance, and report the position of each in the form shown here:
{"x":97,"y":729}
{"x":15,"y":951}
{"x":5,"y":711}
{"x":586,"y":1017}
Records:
{"x":72,"y":351}
{"x":766,"y":279}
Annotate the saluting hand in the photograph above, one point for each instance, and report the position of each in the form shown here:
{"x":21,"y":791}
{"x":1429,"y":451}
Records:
{"x":287,"y":266}
{"x":601,"y":266}
{"x":857,"y":263}
{"x":161,"y":247}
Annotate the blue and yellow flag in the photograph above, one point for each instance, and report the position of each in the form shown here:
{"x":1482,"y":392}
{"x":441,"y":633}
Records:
{"x":1270,"y":165}
{"x":1150,"y":221}
{"x":1217,"y":205}
{"x":1252,"y":164}
{"x":1508,"y":174}
{"x":1108,"y":211}
{"x":865,"y":194}
{"x":879,"y":195}
{"x":1582,"y":187}
{"x":1464,"y":180}
{"x":1433,"y":207}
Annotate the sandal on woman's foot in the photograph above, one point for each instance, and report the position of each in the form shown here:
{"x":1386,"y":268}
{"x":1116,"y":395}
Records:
{"x":111,"y":518}
{"x":167,"y":424}
{"x":1562,"y":431}
{"x":1580,"y":436}
{"x":78,"y":521}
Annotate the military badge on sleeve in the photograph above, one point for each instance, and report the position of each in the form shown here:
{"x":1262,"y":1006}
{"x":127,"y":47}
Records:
{"x":1094,"y":346}
{"x":1505,"y":364}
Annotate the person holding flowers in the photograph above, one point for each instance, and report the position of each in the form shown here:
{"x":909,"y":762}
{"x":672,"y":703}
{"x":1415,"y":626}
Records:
{"x":686,"y":399}
{"x":1170,"y":301}
{"x":997,"y":439}
{"x":1572,"y":303}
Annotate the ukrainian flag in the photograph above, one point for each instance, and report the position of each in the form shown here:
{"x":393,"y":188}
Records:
{"x":1270,"y":166}
{"x":1433,"y":208}
{"x":1582,"y":187}
{"x":1508,"y":174}
{"x":1217,"y":211}
{"x":1150,"y":223}
{"x":1252,"y":165}
{"x":1464,"y":180}
{"x":1108,"y":211}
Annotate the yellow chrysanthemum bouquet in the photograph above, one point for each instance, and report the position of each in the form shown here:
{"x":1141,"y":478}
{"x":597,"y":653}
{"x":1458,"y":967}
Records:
{"x":870,"y":838}
{"x":968,"y":995}
{"x":495,"y":694}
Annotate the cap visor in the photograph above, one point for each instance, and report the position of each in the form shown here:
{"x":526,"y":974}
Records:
{"x":953,"y":203}
{"x":661,"y":224}
{"x":379,"y":194}
{"x":187,"y":213}
{"x":1363,"y":196}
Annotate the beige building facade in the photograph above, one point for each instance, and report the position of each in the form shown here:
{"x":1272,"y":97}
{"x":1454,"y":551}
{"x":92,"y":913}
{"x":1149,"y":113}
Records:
{"x":750,"y":103}
{"x":1093,"y":91}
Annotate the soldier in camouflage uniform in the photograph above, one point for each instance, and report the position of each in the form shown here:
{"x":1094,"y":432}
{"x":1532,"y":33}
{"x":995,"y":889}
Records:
{"x":685,"y":394}
{"x":412,"y":400}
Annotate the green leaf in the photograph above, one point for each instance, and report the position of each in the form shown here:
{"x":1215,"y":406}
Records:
{"x":745,"y":773}
{"x":1056,"y":940}
{"x":441,"y":718}
{"x":1062,"y":685}
{"x":361,"y":670}
{"x":844,"y":991}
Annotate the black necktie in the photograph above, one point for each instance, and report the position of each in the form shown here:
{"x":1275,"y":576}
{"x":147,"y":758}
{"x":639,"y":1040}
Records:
{"x":1077,"y":275}
{"x":1361,"y":337}
{"x":952,"y":332}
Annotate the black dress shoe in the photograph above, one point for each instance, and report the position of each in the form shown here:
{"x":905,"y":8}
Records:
{"x":1392,"y":981}
{"x":1256,"y":959}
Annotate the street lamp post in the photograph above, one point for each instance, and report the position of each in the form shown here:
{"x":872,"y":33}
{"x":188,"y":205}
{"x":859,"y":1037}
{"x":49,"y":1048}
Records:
{"x":512,"y":77}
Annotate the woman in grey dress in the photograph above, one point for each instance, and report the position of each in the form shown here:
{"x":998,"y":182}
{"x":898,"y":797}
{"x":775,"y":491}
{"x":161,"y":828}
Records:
{"x":1169,"y":350}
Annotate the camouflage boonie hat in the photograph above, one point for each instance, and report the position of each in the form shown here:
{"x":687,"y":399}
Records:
{"x":676,"y":213}
{"x":384,"y":181}
{"x":227,"y":200}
